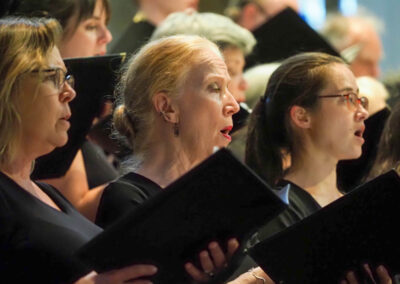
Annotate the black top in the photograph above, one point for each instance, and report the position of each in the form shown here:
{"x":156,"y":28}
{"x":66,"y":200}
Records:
{"x":301,"y":205}
{"x":124,"y":195}
{"x":134,"y":37}
{"x":37,"y":242}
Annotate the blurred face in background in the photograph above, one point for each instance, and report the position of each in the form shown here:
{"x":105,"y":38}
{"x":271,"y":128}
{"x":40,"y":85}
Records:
{"x":90,"y":38}
{"x":234,"y":60}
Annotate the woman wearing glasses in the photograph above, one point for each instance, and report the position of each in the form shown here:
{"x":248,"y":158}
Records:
{"x":40,"y":229}
{"x":309,"y":118}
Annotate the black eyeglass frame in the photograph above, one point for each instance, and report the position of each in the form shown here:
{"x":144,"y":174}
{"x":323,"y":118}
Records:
{"x":363,"y":101}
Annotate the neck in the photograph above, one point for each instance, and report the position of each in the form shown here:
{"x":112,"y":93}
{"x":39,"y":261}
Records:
{"x":152,"y":12}
{"x":19,"y":170}
{"x":317,"y":175}
{"x":165,"y":162}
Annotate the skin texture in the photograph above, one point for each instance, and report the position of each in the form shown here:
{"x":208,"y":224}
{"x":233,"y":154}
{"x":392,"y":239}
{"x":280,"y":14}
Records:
{"x":207,"y":89}
{"x":90,"y":37}
{"x":234,"y":60}
{"x":47,"y":122}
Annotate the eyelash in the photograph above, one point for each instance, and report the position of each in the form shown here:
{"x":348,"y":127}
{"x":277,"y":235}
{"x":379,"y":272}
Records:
{"x":214,"y":87}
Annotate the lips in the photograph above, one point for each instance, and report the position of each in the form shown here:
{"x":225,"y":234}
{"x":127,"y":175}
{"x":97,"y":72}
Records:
{"x":225,"y":132}
{"x":359,"y":132}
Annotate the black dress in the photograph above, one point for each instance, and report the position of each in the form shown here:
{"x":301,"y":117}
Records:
{"x":37,"y":242}
{"x":124,"y":195}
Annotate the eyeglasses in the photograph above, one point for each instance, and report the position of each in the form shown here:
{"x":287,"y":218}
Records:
{"x":58,"y":76}
{"x":352,"y":99}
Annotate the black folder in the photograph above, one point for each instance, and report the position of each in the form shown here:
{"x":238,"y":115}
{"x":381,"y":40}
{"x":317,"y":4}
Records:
{"x":218,"y":199}
{"x":283,"y":36}
{"x":355,"y":229}
{"x":95,"y":78}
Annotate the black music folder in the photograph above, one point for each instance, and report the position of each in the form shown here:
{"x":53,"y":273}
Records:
{"x":95,"y":78}
{"x":283,"y":36}
{"x":218,"y":199}
{"x":355,"y":229}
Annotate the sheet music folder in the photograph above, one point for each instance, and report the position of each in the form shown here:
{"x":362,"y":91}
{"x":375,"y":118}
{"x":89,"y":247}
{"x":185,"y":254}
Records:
{"x":218,"y":199}
{"x":95,"y":78}
{"x":355,"y":229}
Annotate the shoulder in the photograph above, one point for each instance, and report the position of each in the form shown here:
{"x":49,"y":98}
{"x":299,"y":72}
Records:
{"x":123,"y":195}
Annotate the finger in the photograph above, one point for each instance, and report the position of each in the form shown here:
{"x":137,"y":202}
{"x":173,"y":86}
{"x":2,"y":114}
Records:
{"x":261,"y":273}
{"x":217,"y":255}
{"x":195,"y":273}
{"x":233,"y":245}
{"x":343,"y":282}
{"x":139,"y":282}
{"x":351,"y":277}
{"x":368,"y":271}
{"x":206,"y":262}
{"x":129,"y":273}
{"x":383,"y":275}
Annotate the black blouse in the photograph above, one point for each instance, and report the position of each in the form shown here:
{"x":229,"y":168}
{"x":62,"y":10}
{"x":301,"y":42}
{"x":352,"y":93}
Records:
{"x":123,"y":195}
{"x":37,"y":242}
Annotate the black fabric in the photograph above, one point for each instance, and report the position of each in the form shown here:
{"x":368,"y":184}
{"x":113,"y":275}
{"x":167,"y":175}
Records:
{"x":285,"y":35}
{"x":301,"y":205}
{"x":134,"y":37}
{"x":98,"y":169}
{"x":218,"y":199}
{"x":122,"y":196}
{"x":351,"y":173}
{"x":37,"y":241}
{"x":355,"y":229}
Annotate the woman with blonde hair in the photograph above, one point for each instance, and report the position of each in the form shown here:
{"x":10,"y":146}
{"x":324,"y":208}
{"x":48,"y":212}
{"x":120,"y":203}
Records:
{"x":40,"y":228}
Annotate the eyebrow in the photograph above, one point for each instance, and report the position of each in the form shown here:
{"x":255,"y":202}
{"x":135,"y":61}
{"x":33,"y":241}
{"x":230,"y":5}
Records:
{"x":349,"y":89}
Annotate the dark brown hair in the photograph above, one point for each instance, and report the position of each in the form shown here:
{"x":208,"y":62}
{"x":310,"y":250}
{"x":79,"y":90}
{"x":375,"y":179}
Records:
{"x":62,"y":10}
{"x":388,"y":155}
{"x":297,"y":81}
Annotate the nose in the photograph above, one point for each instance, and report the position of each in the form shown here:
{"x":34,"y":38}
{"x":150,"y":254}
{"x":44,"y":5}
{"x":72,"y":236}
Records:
{"x":361,"y":113}
{"x":67,"y":93}
{"x":105,"y":36}
{"x":231,"y":106}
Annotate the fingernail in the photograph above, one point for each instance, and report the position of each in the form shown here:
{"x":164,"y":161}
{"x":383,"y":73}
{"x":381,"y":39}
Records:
{"x":212,"y":245}
{"x":154,"y":269}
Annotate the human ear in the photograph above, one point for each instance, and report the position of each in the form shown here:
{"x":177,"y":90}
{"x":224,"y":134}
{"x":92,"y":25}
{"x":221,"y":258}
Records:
{"x":165,"y":107}
{"x":300,"y":116}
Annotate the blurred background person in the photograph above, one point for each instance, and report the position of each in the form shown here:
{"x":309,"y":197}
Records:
{"x":149,"y":15}
{"x":375,"y":91}
{"x":357,"y":38}
{"x":251,"y":14}
{"x":388,"y":156}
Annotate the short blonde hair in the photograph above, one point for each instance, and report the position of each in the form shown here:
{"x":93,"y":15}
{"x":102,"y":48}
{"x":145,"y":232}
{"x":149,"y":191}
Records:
{"x":24,"y":47}
{"x":159,"y":66}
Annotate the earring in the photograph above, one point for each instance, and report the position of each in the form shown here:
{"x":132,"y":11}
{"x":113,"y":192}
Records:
{"x":176,"y":129}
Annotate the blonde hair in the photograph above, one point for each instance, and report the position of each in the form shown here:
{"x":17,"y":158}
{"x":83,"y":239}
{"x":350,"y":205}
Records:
{"x":24,"y":46}
{"x":159,"y":66}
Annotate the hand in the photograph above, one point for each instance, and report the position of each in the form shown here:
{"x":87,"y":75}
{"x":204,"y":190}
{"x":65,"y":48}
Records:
{"x":120,"y":275}
{"x":253,"y":276}
{"x":211,"y":261}
{"x":381,"y":272}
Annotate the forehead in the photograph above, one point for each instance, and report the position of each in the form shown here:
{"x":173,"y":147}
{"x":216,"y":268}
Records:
{"x":340,"y":77}
{"x":210,"y":65}
{"x":54,"y":59}
{"x":233,"y":55}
